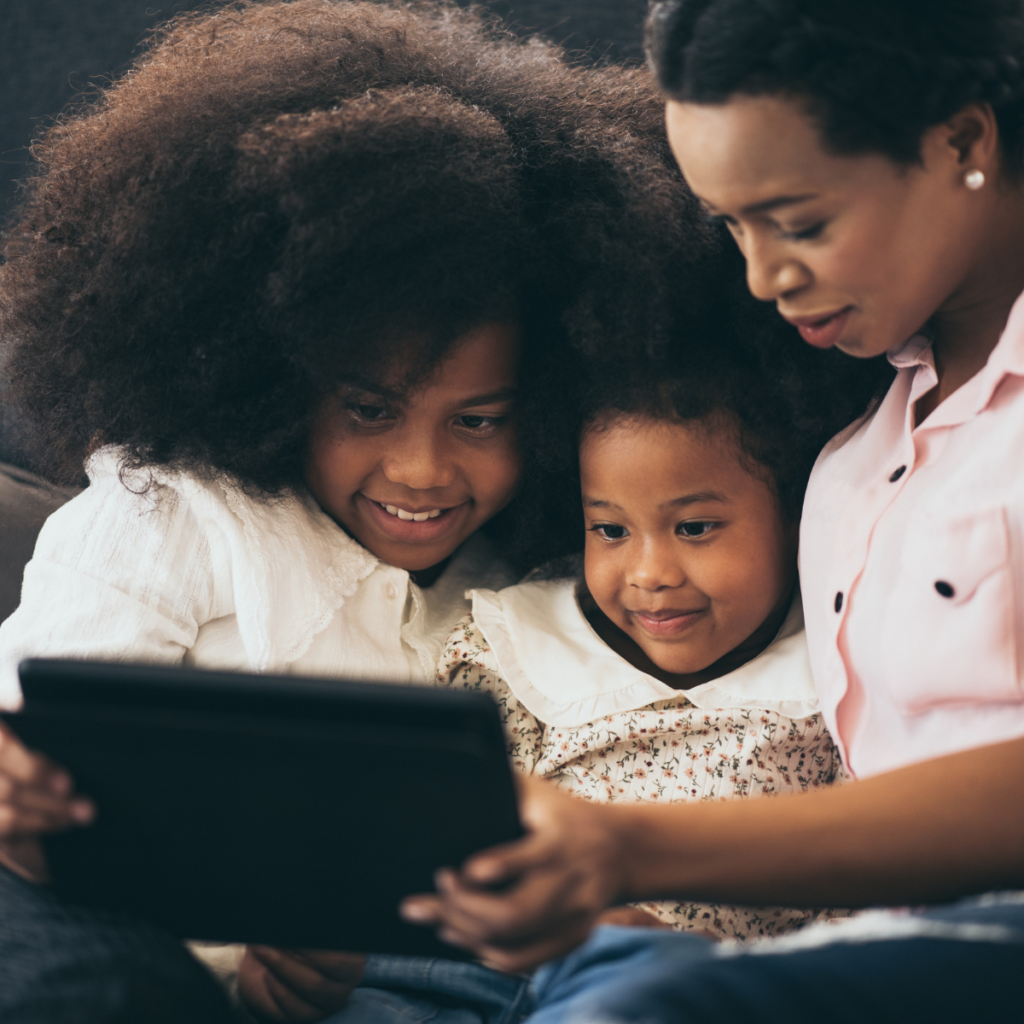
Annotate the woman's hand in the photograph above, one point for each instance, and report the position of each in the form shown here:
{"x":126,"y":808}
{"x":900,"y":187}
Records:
{"x":297,"y":986}
{"x":518,"y":905}
{"x":36,"y":797}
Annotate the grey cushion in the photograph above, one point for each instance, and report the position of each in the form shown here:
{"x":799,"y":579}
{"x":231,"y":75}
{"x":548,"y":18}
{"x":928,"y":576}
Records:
{"x":25,"y":502}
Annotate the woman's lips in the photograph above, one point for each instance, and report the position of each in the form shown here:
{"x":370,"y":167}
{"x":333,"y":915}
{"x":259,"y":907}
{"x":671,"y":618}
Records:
{"x":437,"y":521}
{"x":821,"y":330}
{"x":668,"y":622}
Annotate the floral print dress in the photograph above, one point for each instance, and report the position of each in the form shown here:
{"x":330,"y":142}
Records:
{"x":667,"y":750}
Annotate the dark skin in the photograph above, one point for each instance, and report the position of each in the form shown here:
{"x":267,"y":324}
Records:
{"x":296,"y":985}
{"x":895,"y":250}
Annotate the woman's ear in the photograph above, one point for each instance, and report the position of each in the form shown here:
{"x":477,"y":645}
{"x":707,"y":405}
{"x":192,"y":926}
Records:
{"x":968,"y":141}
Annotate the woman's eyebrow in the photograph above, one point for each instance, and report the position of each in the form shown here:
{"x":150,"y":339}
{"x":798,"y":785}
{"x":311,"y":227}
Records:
{"x":773,"y":204}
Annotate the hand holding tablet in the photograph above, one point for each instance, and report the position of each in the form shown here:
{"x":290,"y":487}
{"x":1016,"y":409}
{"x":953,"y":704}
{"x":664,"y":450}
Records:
{"x":281,"y":811}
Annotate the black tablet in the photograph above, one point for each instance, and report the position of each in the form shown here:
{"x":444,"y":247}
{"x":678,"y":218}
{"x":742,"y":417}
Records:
{"x":286,"y":811}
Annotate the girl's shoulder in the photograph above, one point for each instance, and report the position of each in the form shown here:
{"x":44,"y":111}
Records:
{"x":123,"y":515}
{"x":280,"y":564}
{"x":161,"y":500}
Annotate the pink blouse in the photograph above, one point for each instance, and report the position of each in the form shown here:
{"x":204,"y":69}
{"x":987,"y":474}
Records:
{"x":912,"y":566}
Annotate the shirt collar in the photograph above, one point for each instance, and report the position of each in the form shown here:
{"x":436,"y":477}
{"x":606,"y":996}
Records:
{"x":565,"y":674}
{"x":1006,"y":359}
{"x":1008,"y":355}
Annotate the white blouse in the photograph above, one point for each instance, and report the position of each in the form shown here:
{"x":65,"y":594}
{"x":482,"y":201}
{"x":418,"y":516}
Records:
{"x":194,"y":571}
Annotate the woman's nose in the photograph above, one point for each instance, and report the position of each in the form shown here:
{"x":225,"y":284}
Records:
{"x":771,"y":271}
{"x":419,"y":460}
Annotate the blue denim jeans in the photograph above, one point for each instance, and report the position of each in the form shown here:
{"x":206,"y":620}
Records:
{"x":64,"y":965}
{"x":410,"y":989}
{"x":961,"y":962}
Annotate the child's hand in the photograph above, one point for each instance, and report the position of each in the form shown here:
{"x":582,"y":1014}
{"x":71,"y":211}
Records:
{"x":554,"y":884}
{"x":297,"y":986}
{"x":36,"y":797}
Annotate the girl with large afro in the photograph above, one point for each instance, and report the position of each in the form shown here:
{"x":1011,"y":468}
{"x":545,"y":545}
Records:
{"x":284,"y":291}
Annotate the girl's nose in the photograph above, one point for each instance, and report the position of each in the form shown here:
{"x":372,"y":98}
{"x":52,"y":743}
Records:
{"x":657,"y":566}
{"x":771,"y":271}
{"x":418,"y":460}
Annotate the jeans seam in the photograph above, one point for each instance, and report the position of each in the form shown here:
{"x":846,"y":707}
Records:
{"x":513,"y":1014}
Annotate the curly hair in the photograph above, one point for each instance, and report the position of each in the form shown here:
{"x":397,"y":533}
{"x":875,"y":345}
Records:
{"x":283,"y":194}
{"x":877,"y":73}
{"x":744,"y":363}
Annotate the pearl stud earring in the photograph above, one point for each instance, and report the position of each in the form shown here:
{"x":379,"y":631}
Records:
{"x":974,"y":179}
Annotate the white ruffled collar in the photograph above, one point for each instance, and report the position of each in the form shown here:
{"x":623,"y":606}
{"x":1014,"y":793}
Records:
{"x":291,"y":566}
{"x":564,"y":673}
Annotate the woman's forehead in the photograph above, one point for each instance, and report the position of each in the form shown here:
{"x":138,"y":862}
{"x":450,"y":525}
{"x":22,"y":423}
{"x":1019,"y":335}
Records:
{"x":753,"y":150}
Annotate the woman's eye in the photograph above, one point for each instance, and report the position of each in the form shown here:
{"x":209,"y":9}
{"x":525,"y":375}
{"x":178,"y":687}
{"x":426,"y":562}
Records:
{"x":805,"y":234}
{"x":720,"y":220}
{"x":695,"y":528}
{"x":479,"y":424}
{"x":609,"y":531}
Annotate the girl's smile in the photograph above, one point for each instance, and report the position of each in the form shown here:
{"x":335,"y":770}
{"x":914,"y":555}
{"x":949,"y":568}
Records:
{"x":411,"y":525}
{"x":666,"y":623}
{"x":412,"y":473}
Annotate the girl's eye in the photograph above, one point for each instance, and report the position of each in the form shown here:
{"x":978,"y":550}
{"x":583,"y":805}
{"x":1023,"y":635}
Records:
{"x":369,"y":413}
{"x":609,"y":531}
{"x":695,"y":528}
{"x":481,"y":426}
{"x":805,"y":234}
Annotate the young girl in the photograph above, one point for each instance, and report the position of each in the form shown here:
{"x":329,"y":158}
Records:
{"x":286,"y":287}
{"x":674,"y":667}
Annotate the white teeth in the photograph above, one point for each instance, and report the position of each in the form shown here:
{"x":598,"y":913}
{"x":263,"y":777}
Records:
{"x":416,"y":517}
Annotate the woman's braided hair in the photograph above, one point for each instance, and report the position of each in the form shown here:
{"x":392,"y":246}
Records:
{"x":876,"y":73}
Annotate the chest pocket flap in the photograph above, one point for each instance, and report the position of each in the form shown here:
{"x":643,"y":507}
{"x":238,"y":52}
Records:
{"x":952,"y":639}
{"x":961,"y":553}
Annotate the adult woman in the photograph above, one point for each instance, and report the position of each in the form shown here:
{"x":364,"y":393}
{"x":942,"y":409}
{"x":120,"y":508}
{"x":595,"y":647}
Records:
{"x":867,"y":159}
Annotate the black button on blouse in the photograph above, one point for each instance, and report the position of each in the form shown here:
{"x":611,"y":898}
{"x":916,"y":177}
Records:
{"x":839,"y":601}
{"x":897,"y":473}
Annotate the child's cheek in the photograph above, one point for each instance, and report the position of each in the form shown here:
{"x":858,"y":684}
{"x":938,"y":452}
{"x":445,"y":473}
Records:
{"x":604,"y":580}
{"x":506,"y":471}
